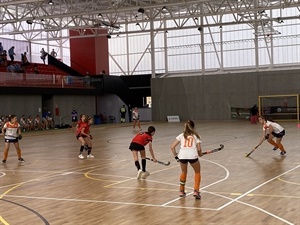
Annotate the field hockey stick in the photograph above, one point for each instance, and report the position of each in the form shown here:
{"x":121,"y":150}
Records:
{"x":213,"y":150}
{"x":160,"y":162}
{"x":248,"y":154}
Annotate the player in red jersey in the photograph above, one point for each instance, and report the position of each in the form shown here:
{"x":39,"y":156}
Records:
{"x":138,"y":144}
{"x":84,"y":136}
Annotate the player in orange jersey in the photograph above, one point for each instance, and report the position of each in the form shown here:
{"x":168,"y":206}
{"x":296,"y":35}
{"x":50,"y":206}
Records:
{"x":12,"y":133}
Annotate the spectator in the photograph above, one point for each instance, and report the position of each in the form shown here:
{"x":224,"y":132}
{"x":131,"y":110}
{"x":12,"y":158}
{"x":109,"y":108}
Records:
{"x":1,"y":48}
{"x":30,"y":123}
{"x":129,"y":113}
{"x":24,"y":60}
{"x":18,"y":68}
{"x":35,"y":69}
{"x":103,"y":72}
{"x":11,"y":53}
{"x":254,"y":114}
{"x":43,"y":55}
{"x":53,"y":53}
{"x":38,"y":123}
{"x":3,"y":58}
{"x":10,"y":68}
{"x":23,"y":123}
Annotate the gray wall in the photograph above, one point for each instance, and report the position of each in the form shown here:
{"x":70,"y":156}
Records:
{"x":211,"y":96}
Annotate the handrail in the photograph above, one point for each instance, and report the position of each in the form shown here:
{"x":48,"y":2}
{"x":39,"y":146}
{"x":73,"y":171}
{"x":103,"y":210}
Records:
{"x":8,"y":79}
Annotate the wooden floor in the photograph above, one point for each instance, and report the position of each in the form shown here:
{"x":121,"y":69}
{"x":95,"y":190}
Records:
{"x":55,"y":187}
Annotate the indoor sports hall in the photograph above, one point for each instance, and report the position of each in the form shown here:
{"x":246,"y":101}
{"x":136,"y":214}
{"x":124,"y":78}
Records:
{"x":53,"y":186}
{"x":169,"y":61}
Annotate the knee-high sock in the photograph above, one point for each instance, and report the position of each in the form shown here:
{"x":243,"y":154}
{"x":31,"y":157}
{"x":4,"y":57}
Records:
{"x":182,"y":181}
{"x":144,"y":165}
{"x":273,"y":143}
{"x":197,"y":181}
{"x":89,"y":150}
{"x":81,"y":149}
{"x":137,"y":164}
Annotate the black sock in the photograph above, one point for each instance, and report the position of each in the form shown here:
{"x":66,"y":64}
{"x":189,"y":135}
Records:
{"x":89,"y":150}
{"x":81,"y":149}
{"x":137,"y":164}
{"x":144,"y":165}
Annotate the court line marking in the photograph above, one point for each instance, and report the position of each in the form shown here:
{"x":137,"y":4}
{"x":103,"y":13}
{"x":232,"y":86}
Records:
{"x":2,"y":174}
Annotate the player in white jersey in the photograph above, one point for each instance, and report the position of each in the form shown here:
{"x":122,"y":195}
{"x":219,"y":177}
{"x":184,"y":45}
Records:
{"x":190,"y":149}
{"x":12,"y":133}
{"x":271,"y":130}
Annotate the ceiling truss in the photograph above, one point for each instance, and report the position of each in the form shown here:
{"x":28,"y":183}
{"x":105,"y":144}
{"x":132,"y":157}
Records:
{"x":30,"y":18}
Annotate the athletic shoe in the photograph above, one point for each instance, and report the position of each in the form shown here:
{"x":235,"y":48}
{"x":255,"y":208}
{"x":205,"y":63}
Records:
{"x":283,"y":153}
{"x":182,"y":194}
{"x":21,"y":160}
{"x":90,"y":156}
{"x":81,"y":156}
{"x":4,"y":161}
{"x":197,"y":195}
{"x":145,"y":175}
{"x":139,"y":175}
{"x":133,"y":129}
{"x":275,"y":148}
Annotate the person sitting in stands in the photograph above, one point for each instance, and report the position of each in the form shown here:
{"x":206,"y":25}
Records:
{"x":24,"y":124}
{"x":38,"y":123}
{"x":35,"y":69}
{"x":10,"y":68}
{"x":18,"y":68}
{"x":30,"y":123}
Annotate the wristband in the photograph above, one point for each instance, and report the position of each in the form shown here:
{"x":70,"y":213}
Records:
{"x":176,"y":158}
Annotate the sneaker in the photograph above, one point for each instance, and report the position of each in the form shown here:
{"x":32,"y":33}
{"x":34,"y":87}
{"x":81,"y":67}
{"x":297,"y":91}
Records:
{"x":275,"y":148}
{"x":197,"y":195}
{"x":133,"y":129}
{"x":4,"y":161}
{"x":283,"y":153}
{"x":139,"y":175}
{"x":145,"y":175}
{"x":90,"y":156}
{"x":182,"y":194}
{"x":21,"y":160}
{"x":81,"y":156}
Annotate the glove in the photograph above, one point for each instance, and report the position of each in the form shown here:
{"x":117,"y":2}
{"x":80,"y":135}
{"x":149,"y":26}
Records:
{"x":267,"y":136}
{"x":176,"y":158}
{"x":20,"y":137}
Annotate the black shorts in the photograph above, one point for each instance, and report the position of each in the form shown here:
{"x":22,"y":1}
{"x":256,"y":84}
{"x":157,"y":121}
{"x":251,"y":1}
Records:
{"x":279,"y":135}
{"x":74,"y":119}
{"x":11,"y":140}
{"x":136,"y":146}
{"x":185,"y":161}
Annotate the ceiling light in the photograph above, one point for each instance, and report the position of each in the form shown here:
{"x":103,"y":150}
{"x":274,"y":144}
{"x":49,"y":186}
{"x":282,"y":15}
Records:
{"x":50,"y":2}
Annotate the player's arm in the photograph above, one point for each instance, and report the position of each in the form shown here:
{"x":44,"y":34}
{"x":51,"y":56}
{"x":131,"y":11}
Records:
{"x":152,"y":152}
{"x":199,"y":149}
{"x":263,"y":138}
{"x":173,"y":149}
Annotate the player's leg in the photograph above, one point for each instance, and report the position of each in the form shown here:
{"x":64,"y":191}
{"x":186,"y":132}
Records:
{"x":5,"y":152}
{"x":182,"y":178}
{"x":196,"y":166}
{"x":145,"y":173}
{"x":89,"y":148}
{"x":270,"y":140}
{"x":82,"y":144}
{"x":137,"y":163}
{"x":280,"y":146}
{"x":19,"y":152}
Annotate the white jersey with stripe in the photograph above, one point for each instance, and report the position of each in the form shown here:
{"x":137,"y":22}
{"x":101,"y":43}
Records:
{"x":11,"y":130}
{"x":188,"y":147}
{"x":276,"y":127}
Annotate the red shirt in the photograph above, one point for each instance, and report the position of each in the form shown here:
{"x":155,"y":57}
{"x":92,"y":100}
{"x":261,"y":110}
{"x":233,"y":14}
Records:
{"x":82,"y":125}
{"x":142,"y":138}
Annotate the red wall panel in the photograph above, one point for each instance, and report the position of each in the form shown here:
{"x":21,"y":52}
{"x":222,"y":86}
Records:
{"x":89,"y":54}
